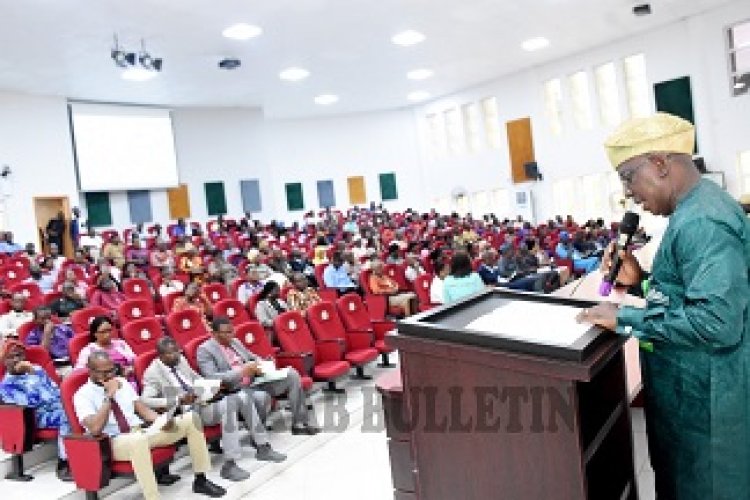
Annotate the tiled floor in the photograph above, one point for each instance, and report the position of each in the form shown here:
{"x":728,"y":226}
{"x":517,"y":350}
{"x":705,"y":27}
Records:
{"x":348,"y":462}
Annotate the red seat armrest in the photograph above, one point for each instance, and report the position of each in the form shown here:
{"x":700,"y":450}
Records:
{"x":17,"y":425}
{"x":301,"y":361}
{"x":382,"y":327}
{"x":90,"y":460}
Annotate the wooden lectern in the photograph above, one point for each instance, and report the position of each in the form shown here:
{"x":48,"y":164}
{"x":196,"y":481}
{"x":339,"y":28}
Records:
{"x":482,"y":415}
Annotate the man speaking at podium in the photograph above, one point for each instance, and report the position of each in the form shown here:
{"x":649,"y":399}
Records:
{"x":693,"y":332}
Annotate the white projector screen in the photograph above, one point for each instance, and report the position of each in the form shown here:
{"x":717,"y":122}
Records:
{"x":121,"y":148}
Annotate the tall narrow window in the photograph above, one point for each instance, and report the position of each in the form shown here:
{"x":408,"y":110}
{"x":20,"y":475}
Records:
{"x":637,"y":86}
{"x":454,"y":131}
{"x":553,"y":105}
{"x":608,"y":94}
{"x":566,"y":198}
{"x":500,"y":203}
{"x":436,"y":134}
{"x":480,"y":203}
{"x":471,"y":126}
{"x":595,"y":197}
{"x":739,"y":57}
{"x":581,"y":100}
{"x":491,"y":121}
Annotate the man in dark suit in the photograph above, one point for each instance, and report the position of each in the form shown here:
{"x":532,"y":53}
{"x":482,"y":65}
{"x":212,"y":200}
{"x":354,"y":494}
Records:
{"x":225,"y":358}
{"x":169,"y":380}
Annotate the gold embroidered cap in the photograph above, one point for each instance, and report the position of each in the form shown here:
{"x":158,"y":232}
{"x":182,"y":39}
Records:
{"x":659,"y":132}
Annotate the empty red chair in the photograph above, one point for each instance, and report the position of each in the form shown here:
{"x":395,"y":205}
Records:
{"x":142,"y":334}
{"x":18,"y":432}
{"x":12,"y":275}
{"x":135,"y":309}
{"x":32,"y":292}
{"x":81,"y":319}
{"x":253,"y":336}
{"x":326,"y":355}
{"x":326,"y":325}
{"x":355,"y":317}
{"x":136,"y":288}
{"x":215,"y":292}
{"x":422,"y":286}
{"x":185,"y":325}
{"x":232,"y":309}
{"x":89,"y":458}
{"x":51,"y":297}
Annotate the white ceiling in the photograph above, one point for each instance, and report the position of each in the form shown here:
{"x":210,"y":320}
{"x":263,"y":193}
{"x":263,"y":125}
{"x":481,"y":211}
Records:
{"x":61,"y":47}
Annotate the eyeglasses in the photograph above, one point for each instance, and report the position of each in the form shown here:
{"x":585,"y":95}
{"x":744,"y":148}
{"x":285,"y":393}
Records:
{"x":627,"y":177}
{"x":105,"y":330}
{"x":104,"y":372}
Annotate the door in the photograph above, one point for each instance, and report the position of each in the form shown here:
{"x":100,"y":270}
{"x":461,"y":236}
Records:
{"x":45,"y":208}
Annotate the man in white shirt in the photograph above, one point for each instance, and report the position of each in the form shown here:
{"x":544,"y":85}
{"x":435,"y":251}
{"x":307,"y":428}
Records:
{"x":107,"y":404}
{"x":92,"y":242}
{"x":169,"y":284}
{"x":17,"y":316}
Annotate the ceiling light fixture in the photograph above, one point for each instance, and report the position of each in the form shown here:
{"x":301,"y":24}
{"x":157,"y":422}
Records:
{"x":408,"y":38}
{"x":294,"y":74}
{"x":139,"y":66}
{"x":326,"y":99}
{"x":122,"y":58}
{"x":242,"y":31}
{"x":536,"y":43}
{"x":419,"y":95}
{"x":420,"y":74}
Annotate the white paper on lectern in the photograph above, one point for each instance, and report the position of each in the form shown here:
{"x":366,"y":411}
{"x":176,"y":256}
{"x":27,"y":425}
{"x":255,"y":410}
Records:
{"x":533,"y":322}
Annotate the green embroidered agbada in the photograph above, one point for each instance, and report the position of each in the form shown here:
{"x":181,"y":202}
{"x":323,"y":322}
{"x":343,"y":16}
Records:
{"x":696,"y":377}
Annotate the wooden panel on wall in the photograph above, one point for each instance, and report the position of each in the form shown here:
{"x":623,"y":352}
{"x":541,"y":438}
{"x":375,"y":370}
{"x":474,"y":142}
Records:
{"x":521,"y":147}
{"x":179,"y":202}
{"x":357,"y":192}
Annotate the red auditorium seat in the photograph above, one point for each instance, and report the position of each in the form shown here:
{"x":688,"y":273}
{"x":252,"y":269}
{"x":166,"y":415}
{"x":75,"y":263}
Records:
{"x":232,"y":309}
{"x":215,"y":292}
{"x":12,"y":275}
{"x":134,"y":310}
{"x":136,"y":288}
{"x":168,"y":301}
{"x":397,"y":273}
{"x":25,"y":329}
{"x":18,"y":431}
{"x":90,"y":456}
{"x":326,"y":325}
{"x":81,"y":319}
{"x":185,"y":326}
{"x":422,"y":288}
{"x":142,"y":334}
{"x":326,"y":357}
{"x":190,"y":350}
{"x":355,"y":317}
{"x":32,"y":292}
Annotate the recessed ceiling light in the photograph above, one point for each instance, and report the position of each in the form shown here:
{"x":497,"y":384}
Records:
{"x":294,"y":74}
{"x":326,"y":99}
{"x":419,"y":95}
{"x":242,"y":31}
{"x":533,"y":44}
{"x":408,"y":37}
{"x":420,"y":74}
{"x":136,"y":74}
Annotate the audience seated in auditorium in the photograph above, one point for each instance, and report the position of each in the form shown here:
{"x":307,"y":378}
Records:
{"x":114,"y":251}
{"x":162,"y":257}
{"x":413,"y":268}
{"x":106,"y":404}
{"x":168,"y":282}
{"x":7,"y":246}
{"x":462,"y":281}
{"x":29,"y":385}
{"x":489,"y":269}
{"x":193,"y":298}
{"x":69,"y":301}
{"x":352,"y":266}
{"x":250,"y":287}
{"x":254,"y":263}
{"x":45,"y":281}
{"x":320,"y":253}
{"x":17,"y":316}
{"x":299,"y":263}
{"x":91,"y":243}
{"x":192,"y":264}
{"x":170,"y":381}
{"x":581,"y":262}
{"x":51,"y":336}
{"x":443,"y":267}
{"x":336,"y":277}
{"x":269,"y":304}
{"x":107,"y":295}
{"x":219,"y":270}
{"x":224,"y":358}
{"x":100,"y":340}
{"x":382,"y":284}
{"x":302,"y":295}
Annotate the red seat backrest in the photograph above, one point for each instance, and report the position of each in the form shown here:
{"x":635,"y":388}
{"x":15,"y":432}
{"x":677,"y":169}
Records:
{"x":70,"y":385}
{"x":31,"y":291}
{"x":364,"y":280}
{"x":254,"y":337}
{"x":76,"y":345}
{"x":353,"y":313}
{"x":168,"y":301}
{"x":135,"y":309}
{"x":51,"y":297}
{"x":232,"y":309}
{"x":191,"y":351}
{"x":81,"y":319}
{"x":325,"y":322}
{"x":39,"y":356}
{"x":319,"y":271}
{"x":251,"y":303}
{"x":185,"y":325}
{"x":397,"y":273}
{"x":215,"y":292}
{"x":12,"y":274}
{"x":422,"y":288}
{"x":293,"y":334}
{"x":236,"y":284}
{"x":141,"y":364}
{"x":136,"y":288}
{"x":142,"y":334}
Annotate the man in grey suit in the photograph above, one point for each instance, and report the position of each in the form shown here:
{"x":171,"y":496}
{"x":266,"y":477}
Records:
{"x":225,"y":358}
{"x":169,"y":381}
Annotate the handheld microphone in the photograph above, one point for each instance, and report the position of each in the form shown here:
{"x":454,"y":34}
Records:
{"x":628,"y":227}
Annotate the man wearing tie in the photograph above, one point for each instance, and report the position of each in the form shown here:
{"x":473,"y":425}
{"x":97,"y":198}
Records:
{"x":107,"y":404}
{"x":169,"y":380}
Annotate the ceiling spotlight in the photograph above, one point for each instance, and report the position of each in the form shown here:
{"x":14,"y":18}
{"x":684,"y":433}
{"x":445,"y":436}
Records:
{"x":326,"y":99}
{"x":294,"y":74}
{"x":420,"y":74}
{"x":242,"y":31}
{"x":419,"y":95}
{"x":230,"y":63}
{"x":536,"y":43}
{"x":407,"y":38}
{"x":122,"y":58}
